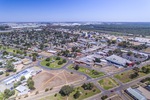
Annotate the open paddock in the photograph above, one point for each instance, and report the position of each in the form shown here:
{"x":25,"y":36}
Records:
{"x":53,"y":79}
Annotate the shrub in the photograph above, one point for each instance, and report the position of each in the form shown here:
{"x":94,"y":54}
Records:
{"x":47,"y":64}
{"x":7,"y":74}
{"x":66,"y":90}
{"x":64,"y":61}
{"x":46,"y":89}
{"x":60,"y":63}
{"x":77,"y":95}
{"x":22,"y":78}
{"x":50,"y":88}
{"x":47,"y":59}
{"x":1,"y":73}
{"x":88,"y":86}
{"x":104,"y":97}
{"x":57,"y":58}
{"x":76,"y":67}
{"x":55,"y":95}
{"x":37,"y":92}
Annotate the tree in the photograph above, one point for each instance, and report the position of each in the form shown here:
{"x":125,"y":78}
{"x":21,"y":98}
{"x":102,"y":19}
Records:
{"x":129,"y":53}
{"x":46,"y":89}
{"x":47,"y":64}
{"x":104,"y":97}
{"x":8,"y":93}
{"x":77,"y":95}
{"x":17,"y":84}
{"x":76,"y":67}
{"x":64,"y":61}
{"x":22,"y":78}
{"x":5,"y":53}
{"x":66,"y":90}
{"x":30,"y":84}
{"x":1,"y":72}
{"x":9,"y":67}
{"x":145,"y":70}
{"x":134,"y":75}
{"x":59,"y":63}
{"x":34,"y":58}
{"x":1,"y":63}
{"x":136,"y":69}
{"x":57,"y":58}
{"x":47,"y":59}
{"x":87,"y":86}
{"x":97,"y":60}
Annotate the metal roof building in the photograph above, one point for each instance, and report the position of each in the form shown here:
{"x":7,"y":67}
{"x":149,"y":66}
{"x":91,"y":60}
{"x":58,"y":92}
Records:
{"x":118,"y":60}
{"x":135,"y":94}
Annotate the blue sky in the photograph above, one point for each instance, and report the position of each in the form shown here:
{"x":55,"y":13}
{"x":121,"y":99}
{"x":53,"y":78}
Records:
{"x":75,"y":10}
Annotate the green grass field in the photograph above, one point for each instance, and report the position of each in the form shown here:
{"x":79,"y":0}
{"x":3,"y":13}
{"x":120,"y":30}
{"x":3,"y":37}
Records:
{"x":84,"y":94}
{"x":53,"y":63}
{"x":89,"y":72}
{"x":125,"y":76}
{"x":108,"y":83}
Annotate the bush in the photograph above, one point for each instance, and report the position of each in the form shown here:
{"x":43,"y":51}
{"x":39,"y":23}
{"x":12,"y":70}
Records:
{"x":57,"y":58}
{"x":66,"y":90}
{"x":88,"y":86}
{"x":104,"y":97}
{"x":76,"y":67}
{"x":30,"y":84}
{"x":60,"y":63}
{"x":94,"y":90}
{"x":7,"y":74}
{"x":1,"y":73}
{"x":77,"y":95}
{"x":46,"y":89}
{"x":37,"y":92}
{"x":17,"y":84}
{"x":64,"y":61}
{"x":14,"y":70}
{"x":55,"y":95}
{"x":50,"y":88}
{"x":8,"y":93}
{"x":47,"y":59}
{"x":47,"y":64}
{"x":22,"y":78}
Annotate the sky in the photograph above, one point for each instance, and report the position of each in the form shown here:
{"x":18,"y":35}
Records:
{"x":74,"y":10}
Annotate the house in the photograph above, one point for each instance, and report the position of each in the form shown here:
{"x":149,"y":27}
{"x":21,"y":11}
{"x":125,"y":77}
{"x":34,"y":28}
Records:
{"x":119,"y":61}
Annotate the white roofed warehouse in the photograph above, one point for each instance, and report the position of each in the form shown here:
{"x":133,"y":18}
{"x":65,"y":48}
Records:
{"x":119,"y":61}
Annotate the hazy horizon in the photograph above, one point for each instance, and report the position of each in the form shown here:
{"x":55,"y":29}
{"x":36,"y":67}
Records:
{"x":74,"y":11}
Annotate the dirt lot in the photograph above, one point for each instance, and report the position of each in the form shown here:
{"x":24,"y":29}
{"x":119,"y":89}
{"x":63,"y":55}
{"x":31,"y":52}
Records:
{"x":57,"y":78}
{"x":111,"y":69}
{"x":115,"y":97}
{"x":45,"y":54}
{"x":147,"y":50}
{"x":19,"y":67}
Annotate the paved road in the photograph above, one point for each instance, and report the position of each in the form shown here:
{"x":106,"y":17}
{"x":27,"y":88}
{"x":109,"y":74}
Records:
{"x":94,"y":80}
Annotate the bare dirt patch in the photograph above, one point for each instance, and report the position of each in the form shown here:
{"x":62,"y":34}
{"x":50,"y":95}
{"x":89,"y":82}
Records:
{"x":111,"y":69}
{"x":55,"y":78}
{"x":45,"y":54}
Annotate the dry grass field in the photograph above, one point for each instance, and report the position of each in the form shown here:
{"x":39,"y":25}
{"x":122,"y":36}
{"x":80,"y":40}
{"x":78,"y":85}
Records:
{"x":57,"y":78}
